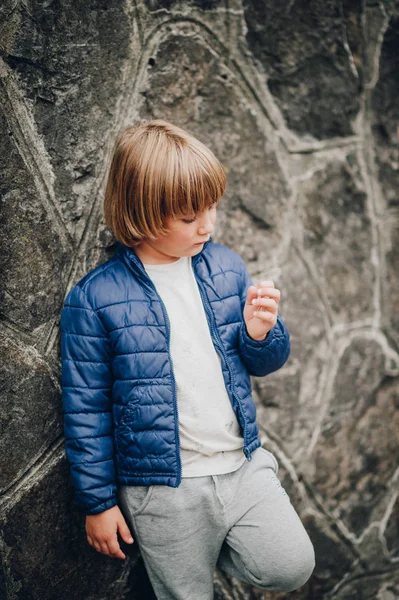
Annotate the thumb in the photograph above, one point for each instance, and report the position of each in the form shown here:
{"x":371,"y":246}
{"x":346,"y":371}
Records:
{"x":124,"y":531}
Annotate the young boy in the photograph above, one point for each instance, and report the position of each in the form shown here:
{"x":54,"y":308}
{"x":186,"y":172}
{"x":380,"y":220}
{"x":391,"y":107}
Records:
{"x":158,"y":345}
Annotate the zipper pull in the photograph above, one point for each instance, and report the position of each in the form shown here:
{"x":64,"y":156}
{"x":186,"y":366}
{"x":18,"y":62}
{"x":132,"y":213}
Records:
{"x":247,"y":454}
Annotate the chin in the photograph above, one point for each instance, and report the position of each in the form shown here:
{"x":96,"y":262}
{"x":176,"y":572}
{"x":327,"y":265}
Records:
{"x":197,"y":249}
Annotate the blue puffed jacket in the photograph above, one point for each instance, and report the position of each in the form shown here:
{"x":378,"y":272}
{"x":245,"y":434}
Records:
{"x":118,"y":388}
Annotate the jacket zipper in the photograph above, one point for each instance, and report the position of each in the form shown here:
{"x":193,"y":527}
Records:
{"x":219,"y":344}
{"x":148,"y":281}
{"x":177,"y":436}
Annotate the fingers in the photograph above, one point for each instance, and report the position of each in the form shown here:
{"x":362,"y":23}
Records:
{"x":110,"y":546}
{"x":252,"y":292}
{"x":267,"y":298}
{"x":264,"y":288}
{"x":114,"y":549}
{"x":265,"y":284}
{"x":268,"y":303}
{"x":94,"y":544}
{"x":266,"y":316}
{"x":102,"y":532}
{"x":124,"y":531}
{"x":267,"y":288}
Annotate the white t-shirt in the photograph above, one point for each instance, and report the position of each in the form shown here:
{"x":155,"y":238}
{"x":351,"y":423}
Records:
{"x":211,"y":441}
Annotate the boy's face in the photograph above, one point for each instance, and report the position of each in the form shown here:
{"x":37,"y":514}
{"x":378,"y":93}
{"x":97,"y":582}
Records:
{"x":186,"y":237}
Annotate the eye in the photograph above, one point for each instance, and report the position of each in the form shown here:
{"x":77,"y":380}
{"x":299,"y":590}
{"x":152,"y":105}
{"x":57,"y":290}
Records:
{"x":210,"y":207}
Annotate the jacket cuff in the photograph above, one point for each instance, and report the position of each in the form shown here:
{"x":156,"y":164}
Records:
{"x":246,"y":339}
{"x":101,"y":507}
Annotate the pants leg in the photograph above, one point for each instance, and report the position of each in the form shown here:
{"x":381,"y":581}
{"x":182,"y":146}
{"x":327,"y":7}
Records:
{"x":243,"y":522}
{"x":180,"y":532}
{"x":267,"y":544}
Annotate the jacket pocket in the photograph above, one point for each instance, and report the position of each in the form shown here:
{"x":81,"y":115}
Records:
{"x":124,"y":426}
{"x":123,"y":430}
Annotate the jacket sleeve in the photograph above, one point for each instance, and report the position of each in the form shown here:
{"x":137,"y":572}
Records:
{"x":262,"y":357}
{"x":87,"y":406}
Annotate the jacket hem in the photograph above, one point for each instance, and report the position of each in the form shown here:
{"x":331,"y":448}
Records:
{"x":253,"y":445}
{"x":147,"y":479}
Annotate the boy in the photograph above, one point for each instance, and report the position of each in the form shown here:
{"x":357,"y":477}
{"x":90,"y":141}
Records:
{"x":158,"y":345}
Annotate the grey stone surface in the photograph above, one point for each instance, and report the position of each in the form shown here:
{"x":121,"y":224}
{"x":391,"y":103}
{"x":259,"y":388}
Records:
{"x":69,"y":60}
{"x":310,"y":53}
{"x":332,"y":206}
{"x":30,"y":409}
{"x":355,"y":456}
{"x":299,"y":101}
{"x":33,"y":258}
{"x":386,"y":115}
{"x":389,"y":231}
{"x":44,"y":552}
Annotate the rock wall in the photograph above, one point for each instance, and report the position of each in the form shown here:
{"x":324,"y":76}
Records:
{"x":299,"y":101}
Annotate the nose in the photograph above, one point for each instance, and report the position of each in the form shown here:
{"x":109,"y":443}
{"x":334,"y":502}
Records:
{"x":205,"y":226}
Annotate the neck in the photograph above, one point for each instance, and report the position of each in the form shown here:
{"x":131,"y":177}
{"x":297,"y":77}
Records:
{"x":150,"y":256}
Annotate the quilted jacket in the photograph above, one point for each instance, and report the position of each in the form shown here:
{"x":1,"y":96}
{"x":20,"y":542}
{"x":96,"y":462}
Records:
{"x":118,"y":387}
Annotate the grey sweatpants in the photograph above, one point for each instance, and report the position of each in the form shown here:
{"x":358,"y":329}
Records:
{"x":243,"y":522}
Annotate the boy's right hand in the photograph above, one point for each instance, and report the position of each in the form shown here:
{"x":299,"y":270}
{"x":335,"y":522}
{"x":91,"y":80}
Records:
{"x":101,"y":531}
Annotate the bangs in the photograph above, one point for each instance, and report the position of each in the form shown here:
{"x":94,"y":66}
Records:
{"x":191,"y":179}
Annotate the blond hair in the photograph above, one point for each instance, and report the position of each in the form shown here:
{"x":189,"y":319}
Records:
{"x":157,"y":171}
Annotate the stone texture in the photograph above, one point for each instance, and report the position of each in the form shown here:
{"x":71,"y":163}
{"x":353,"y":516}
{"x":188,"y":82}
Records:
{"x":369,"y":588}
{"x":69,"y":60}
{"x":333,"y":207}
{"x":311,"y":54}
{"x":333,"y":563}
{"x":385,"y":116}
{"x":391,"y":532}
{"x":356,"y":453}
{"x":389,"y":230}
{"x":298,"y":100}
{"x":32,"y":263}
{"x":167,"y":5}
{"x":30,"y":413}
{"x":45,"y":554}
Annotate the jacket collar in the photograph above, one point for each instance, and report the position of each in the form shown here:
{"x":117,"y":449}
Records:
{"x":129,"y":256}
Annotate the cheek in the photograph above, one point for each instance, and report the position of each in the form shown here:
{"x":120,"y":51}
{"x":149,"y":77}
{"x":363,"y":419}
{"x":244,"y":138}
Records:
{"x":185,"y":234}
{"x":213,"y":218}
{"x":190,"y":233}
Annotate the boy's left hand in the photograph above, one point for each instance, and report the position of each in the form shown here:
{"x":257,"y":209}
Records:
{"x":260,"y":310}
